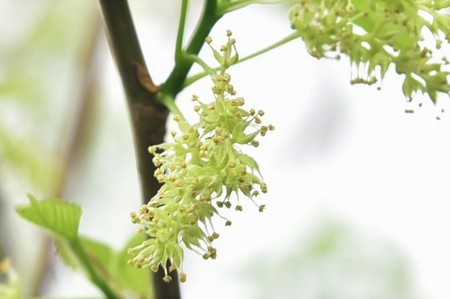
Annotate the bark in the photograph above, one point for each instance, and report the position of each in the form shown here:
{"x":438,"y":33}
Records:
{"x":147,"y":116}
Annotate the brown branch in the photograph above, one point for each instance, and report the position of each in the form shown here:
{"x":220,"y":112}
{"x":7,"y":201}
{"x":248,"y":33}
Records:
{"x":148,"y":117}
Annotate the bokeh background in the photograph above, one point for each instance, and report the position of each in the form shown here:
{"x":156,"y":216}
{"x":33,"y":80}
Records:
{"x":358,"y":198}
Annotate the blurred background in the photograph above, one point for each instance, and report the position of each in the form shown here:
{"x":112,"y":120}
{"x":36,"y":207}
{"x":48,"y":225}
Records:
{"x":358,"y":196}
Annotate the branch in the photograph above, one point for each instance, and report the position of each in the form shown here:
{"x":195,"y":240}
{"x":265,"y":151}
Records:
{"x":175,"y":81}
{"x":148,"y":117}
{"x":181,"y":28}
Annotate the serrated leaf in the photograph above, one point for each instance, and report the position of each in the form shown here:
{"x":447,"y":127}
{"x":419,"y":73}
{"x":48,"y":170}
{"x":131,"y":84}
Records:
{"x":59,"y":217}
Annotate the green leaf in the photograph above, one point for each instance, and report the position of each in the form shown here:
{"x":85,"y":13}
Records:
{"x":110,"y":263}
{"x":67,"y":254}
{"x":60,"y":217}
{"x":99,"y":254}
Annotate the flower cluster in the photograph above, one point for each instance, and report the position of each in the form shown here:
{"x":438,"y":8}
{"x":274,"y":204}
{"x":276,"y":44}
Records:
{"x":201,"y":170}
{"x":375,"y":34}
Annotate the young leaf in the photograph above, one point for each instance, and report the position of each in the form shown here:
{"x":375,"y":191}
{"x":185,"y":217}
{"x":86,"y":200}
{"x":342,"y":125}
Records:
{"x":100,"y":255}
{"x":67,"y":254}
{"x":60,"y":217}
{"x":110,"y":263}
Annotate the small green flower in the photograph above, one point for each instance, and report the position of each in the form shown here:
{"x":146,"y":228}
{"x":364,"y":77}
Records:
{"x":201,"y":170}
{"x":375,"y":34}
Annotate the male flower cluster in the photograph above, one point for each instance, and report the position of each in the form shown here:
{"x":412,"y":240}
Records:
{"x":200,"y":171}
{"x":378,"y":33}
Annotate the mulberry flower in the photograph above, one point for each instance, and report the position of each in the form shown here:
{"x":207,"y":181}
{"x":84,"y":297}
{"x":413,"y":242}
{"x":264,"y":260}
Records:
{"x":202,"y":169}
{"x":376,"y":34}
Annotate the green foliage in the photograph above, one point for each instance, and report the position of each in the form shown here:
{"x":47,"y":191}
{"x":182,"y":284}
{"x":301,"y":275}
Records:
{"x":375,"y":34}
{"x":94,"y":258}
{"x":59,"y":217}
{"x":110,"y":263}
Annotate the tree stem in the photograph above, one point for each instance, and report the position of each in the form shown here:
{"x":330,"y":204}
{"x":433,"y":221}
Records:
{"x":148,"y":116}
